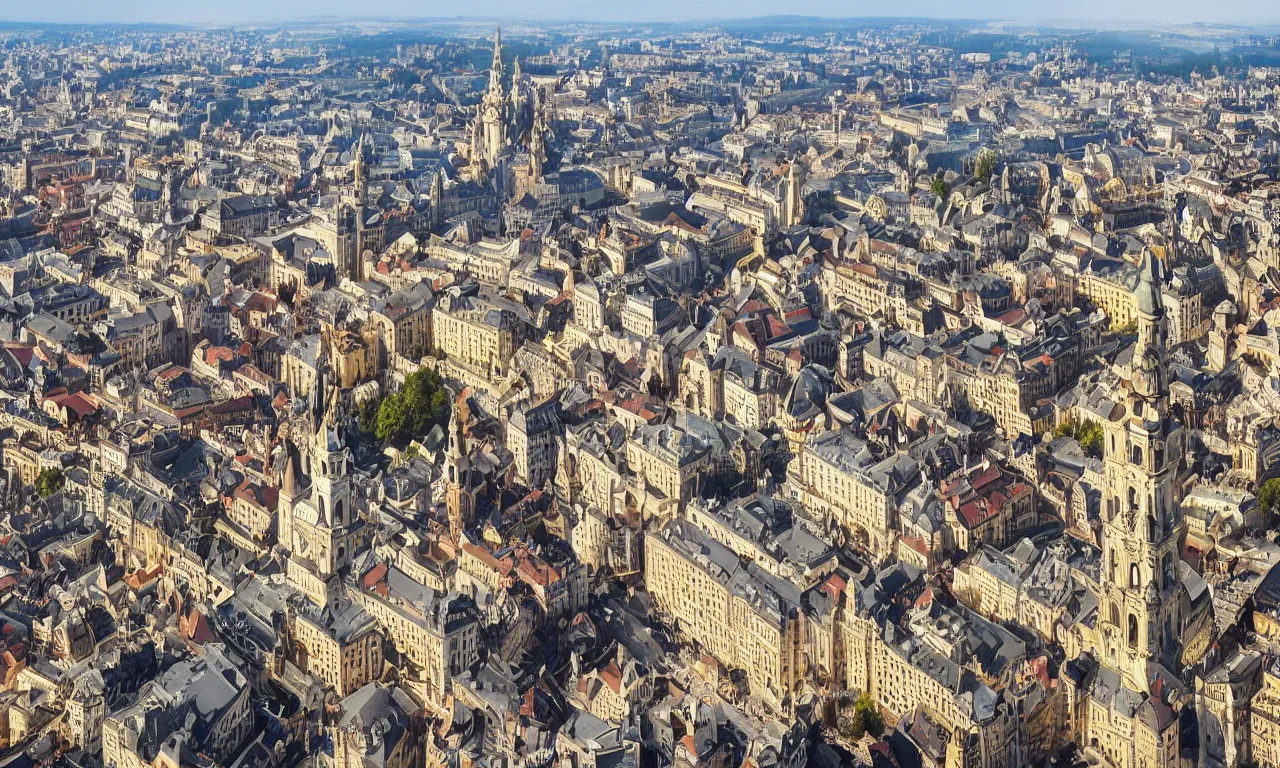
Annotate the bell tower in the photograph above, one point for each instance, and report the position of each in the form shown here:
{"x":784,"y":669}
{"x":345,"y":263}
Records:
{"x":329,"y":470}
{"x":1142,"y":526}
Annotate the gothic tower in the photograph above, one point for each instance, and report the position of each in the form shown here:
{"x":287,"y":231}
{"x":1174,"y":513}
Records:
{"x":793,"y":200}
{"x":459,"y":501}
{"x":517,"y":94}
{"x":332,"y":495}
{"x":289,"y":493}
{"x":493,"y":108}
{"x":537,"y":139}
{"x":329,"y":469}
{"x":361,"y":176}
{"x":1142,"y":527}
{"x":436,"y":196}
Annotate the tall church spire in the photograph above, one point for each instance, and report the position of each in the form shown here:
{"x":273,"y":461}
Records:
{"x":1150,"y":303}
{"x":358,"y":165}
{"x":1140,"y":621}
{"x":361,"y":196}
{"x":493,"y":112}
{"x":495,"y":70}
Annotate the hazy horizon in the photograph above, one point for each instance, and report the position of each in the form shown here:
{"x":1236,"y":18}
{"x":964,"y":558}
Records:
{"x":1139,"y":12}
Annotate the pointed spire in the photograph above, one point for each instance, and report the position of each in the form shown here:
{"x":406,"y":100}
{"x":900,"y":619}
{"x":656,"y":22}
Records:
{"x":1149,"y":299}
{"x":495,"y":71}
{"x":289,"y":483}
{"x":322,"y":377}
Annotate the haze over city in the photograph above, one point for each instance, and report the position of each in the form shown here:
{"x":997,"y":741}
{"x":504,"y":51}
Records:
{"x":648,"y":385}
{"x":1126,"y":12}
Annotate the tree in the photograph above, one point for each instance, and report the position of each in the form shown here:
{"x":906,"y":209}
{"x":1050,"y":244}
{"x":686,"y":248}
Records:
{"x":856,"y":729}
{"x":869,"y":715}
{"x":1088,"y":433}
{"x":940,"y":187}
{"x":1090,"y":437}
{"x":985,"y":166}
{"x":1269,"y":495}
{"x":421,"y":404}
{"x":367,"y":416}
{"x":391,"y":419}
{"x":49,"y":482}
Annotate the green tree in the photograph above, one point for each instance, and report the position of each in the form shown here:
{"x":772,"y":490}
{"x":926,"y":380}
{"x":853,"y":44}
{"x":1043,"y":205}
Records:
{"x":367,"y":416}
{"x":940,"y":187}
{"x":1088,"y":433}
{"x":1090,"y":437}
{"x":856,"y":729}
{"x":49,"y":482}
{"x":869,"y":715}
{"x":391,"y":419}
{"x":1269,"y":496}
{"x":985,"y":166}
{"x":421,"y":404}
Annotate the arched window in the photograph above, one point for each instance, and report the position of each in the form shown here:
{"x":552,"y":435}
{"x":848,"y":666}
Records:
{"x":1133,"y":631}
{"x":1133,"y":575}
{"x":337,"y":513}
{"x":1115,"y":615}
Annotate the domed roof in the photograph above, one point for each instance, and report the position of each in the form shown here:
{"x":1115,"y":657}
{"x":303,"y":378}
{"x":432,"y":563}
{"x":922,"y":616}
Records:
{"x":808,"y":392}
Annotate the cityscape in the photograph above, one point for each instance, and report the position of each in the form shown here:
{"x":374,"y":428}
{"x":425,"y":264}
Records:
{"x":779,"y":392}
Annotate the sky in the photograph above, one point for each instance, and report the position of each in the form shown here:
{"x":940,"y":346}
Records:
{"x":240,"y":11}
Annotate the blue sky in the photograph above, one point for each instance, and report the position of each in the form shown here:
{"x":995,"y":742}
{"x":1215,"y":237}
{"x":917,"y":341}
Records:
{"x":1173,"y":11}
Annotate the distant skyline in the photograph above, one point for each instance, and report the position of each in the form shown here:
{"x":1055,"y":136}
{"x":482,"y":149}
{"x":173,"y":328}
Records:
{"x":1106,"y":12}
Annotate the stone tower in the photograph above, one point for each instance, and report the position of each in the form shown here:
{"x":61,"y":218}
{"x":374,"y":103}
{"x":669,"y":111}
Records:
{"x":493,"y":108}
{"x":329,"y":469}
{"x":360,"y":174}
{"x":1142,"y":527}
